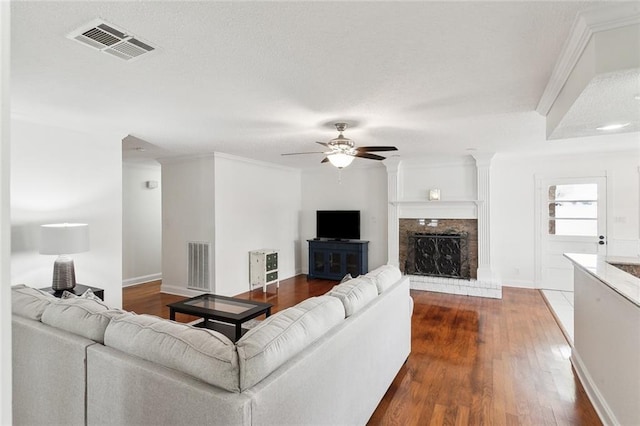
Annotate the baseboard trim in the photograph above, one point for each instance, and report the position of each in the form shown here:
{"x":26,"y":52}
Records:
{"x":140,"y":280}
{"x":519,"y":283}
{"x":599,"y":403}
{"x":180,"y":291}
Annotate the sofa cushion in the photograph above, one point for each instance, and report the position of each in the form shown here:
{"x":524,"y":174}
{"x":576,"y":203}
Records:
{"x":84,"y":317}
{"x":29,"y":302}
{"x":204,"y":354}
{"x":384,"y":277}
{"x":283,"y":335}
{"x":355,"y":294}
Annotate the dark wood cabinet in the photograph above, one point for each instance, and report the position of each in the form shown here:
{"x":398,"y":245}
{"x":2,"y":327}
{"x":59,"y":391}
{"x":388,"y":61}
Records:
{"x":333,"y":260}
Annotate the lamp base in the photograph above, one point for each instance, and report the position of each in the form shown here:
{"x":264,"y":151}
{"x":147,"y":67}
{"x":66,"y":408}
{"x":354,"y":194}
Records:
{"x":64,"y":274}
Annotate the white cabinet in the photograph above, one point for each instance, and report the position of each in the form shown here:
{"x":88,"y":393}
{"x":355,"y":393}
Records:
{"x":263,"y":268}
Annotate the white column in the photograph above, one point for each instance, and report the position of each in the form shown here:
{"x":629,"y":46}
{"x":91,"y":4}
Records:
{"x":483,"y":169}
{"x":393,"y":194}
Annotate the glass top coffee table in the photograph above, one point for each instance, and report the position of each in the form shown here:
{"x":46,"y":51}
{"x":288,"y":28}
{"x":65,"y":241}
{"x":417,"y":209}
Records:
{"x":218,"y":310}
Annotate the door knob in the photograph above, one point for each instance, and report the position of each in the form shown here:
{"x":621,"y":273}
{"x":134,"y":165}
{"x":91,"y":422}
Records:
{"x":601,"y":242}
{"x":601,"y":237}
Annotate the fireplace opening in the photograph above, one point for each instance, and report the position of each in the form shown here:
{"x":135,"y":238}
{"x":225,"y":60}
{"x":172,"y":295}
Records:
{"x":438,"y":255}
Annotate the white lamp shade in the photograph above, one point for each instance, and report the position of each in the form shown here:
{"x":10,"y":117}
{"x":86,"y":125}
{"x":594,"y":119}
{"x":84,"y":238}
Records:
{"x":64,"y":238}
{"x":340,"y":160}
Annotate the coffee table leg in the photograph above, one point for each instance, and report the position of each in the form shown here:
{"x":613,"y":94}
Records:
{"x":238,"y":331}
{"x":268,"y":312}
{"x":172,"y":314}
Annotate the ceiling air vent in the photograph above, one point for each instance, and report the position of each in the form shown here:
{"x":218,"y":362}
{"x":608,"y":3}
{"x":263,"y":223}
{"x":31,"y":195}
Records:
{"x":108,"y":38}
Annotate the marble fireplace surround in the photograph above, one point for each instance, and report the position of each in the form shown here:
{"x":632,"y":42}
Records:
{"x":470,"y":215}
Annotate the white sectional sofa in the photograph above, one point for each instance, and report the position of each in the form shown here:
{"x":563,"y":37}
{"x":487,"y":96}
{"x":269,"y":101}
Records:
{"x":328,"y":360}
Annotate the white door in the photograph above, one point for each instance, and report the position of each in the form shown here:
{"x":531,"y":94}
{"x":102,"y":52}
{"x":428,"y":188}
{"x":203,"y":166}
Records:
{"x":573,"y":220}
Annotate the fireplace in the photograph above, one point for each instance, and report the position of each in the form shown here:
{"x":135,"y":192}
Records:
{"x":411,"y":228}
{"x":438,"y":255}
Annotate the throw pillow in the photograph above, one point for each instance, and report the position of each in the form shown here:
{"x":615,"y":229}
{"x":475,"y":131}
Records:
{"x":346,"y":278}
{"x":88,"y":294}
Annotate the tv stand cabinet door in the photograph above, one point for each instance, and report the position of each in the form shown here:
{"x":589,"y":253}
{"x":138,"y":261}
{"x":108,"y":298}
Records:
{"x":332,"y":260}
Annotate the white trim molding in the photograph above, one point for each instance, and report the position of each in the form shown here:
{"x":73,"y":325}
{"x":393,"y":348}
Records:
{"x":585,"y":25}
{"x":141,"y":280}
{"x":599,"y":404}
{"x":443,"y":209}
{"x":180,"y":291}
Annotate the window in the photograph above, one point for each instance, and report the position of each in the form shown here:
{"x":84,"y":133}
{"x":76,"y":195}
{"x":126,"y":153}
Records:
{"x":573,"y":209}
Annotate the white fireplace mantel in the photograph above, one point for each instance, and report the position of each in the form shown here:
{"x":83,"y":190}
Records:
{"x":429,"y":202}
{"x":488,"y":283}
{"x":441,"y":209}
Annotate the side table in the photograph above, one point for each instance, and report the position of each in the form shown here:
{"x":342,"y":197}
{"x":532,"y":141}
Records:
{"x":77,"y":290}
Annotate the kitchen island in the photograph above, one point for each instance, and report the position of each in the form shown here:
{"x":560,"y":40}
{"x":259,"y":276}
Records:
{"x":606,"y":353}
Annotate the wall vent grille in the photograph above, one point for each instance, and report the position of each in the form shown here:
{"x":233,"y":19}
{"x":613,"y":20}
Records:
{"x":108,"y":38}
{"x":198,"y":269}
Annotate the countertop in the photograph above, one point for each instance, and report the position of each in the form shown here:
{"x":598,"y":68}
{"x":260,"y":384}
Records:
{"x":621,"y":282}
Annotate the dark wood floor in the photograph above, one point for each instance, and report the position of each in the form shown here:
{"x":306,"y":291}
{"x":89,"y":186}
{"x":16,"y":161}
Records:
{"x":474,"y":361}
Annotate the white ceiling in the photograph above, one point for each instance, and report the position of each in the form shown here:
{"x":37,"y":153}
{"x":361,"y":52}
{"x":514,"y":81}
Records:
{"x":258,"y":79}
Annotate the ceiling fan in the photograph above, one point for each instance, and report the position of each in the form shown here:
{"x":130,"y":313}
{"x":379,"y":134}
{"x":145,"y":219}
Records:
{"x":343,"y":150}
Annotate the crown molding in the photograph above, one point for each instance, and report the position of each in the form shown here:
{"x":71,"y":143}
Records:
{"x":584,"y":26}
{"x":259,"y":163}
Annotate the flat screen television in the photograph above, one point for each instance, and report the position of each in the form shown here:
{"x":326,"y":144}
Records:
{"x":338,"y":224}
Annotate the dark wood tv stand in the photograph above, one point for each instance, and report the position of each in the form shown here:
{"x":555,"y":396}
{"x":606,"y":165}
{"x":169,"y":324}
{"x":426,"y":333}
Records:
{"x":333,"y":259}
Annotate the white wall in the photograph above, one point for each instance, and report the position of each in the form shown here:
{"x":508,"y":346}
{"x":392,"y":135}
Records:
{"x":5,"y":259}
{"x":514,"y":198}
{"x":257,"y":206}
{"x":188,"y":214}
{"x":353,"y":188}
{"x":141,"y":224}
{"x":454,"y":176}
{"x":61,"y":175}
{"x":235,"y":204}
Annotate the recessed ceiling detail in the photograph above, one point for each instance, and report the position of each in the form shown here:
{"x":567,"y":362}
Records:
{"x":108,"y":38}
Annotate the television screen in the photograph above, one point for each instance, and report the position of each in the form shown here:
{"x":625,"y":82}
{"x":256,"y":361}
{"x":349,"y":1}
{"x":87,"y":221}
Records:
{"x":338,"y":224}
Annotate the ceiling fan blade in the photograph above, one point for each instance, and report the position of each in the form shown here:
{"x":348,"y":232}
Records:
{"x":325,"y":160}
{"x":376,"y":148}
{"x":324,"y":144}
{"x":369,"y":156}
{"x":300,"y":153}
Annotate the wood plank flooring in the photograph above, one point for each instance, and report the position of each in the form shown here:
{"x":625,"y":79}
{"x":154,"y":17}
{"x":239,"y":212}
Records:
{"x":474,"y":361}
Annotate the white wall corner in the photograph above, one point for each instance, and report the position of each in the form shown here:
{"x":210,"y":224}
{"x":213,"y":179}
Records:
{"x":5,"y":227}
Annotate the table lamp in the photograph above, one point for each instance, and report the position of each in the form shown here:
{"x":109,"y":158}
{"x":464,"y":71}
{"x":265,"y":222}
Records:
{"x":64,"y":239}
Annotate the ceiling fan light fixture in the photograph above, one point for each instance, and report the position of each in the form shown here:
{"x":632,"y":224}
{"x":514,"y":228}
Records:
{"x":340,"y":160}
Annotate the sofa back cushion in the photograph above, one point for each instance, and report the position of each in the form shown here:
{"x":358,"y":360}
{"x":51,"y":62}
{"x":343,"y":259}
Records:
{"x":29,"y":302}
{"x":283,"y":335}
{"x":355,"y":294}
{"x":204,"y":354}
{"x":384,"y":277}
{"x":84,"y":317}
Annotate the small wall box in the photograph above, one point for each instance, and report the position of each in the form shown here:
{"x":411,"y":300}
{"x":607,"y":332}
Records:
{"x":263,"y":268}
